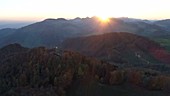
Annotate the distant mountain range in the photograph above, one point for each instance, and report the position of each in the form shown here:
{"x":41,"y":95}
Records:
{"x":51,"y":32}
{"x":14,"y":24}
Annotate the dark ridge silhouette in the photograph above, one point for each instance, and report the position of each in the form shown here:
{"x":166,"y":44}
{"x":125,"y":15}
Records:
{"x":53,"y":20}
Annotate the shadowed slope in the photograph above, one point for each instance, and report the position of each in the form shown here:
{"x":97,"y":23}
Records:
{"x":119,"y":47}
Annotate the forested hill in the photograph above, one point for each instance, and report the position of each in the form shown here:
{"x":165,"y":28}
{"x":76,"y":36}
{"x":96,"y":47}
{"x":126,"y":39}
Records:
{"x":54,"y":72}
{"x":120,"y":47}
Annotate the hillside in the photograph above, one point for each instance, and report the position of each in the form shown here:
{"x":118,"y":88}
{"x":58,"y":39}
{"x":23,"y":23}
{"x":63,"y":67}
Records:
{"x":42,"y":71}
{"x":164,"y":23}
{"x":163,"y":41}
{"x":53,"y":72}
{"x":120,"y":48}
{"x":51,"y":32}
{"x":5,"y":32}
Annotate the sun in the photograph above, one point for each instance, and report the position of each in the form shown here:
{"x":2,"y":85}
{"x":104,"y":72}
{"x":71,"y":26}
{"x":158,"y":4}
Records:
{"x":104,"y":18}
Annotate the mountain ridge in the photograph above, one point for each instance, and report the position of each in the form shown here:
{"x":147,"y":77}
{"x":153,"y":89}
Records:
{"x":51,"y":32}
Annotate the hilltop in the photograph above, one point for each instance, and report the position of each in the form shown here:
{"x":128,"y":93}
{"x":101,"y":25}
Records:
{"x":124,"y":48}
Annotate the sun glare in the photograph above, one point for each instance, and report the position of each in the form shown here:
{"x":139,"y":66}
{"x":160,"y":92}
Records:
{"x":104,"y":19}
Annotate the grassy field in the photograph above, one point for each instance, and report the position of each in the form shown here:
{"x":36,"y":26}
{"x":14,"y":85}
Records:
{"x":164,"y":42}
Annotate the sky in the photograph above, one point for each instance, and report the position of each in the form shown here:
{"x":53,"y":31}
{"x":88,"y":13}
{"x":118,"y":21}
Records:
{"x":35,"y":10}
